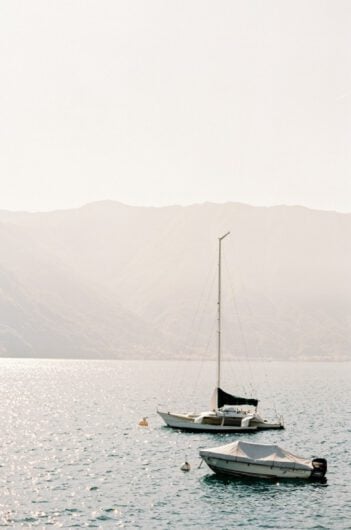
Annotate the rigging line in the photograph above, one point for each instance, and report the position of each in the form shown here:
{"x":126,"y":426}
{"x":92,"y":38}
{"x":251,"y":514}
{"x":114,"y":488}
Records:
{"x":210,"y":338}
{"x":193,"y":331}
{"x":191,"y":341}
{"x":233,"y":375}
{"x":234,"y":301}
{"x":239,"y":383}
{"x":203,"y":357}
{"x":257,"y":351}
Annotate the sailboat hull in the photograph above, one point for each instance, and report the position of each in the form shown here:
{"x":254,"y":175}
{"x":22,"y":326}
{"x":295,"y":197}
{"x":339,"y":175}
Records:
{"x":187,"y":422}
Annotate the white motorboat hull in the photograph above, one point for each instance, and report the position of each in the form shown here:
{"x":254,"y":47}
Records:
{"x":242,"y":469}
{"x":221,"y":423}
{"x":246,"y":459}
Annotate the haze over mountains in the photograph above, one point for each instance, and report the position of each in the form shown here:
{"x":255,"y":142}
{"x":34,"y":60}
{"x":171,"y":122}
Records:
{"x":114,"y":281}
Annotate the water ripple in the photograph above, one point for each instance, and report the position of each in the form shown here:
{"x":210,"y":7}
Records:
{"x":73,"y":455}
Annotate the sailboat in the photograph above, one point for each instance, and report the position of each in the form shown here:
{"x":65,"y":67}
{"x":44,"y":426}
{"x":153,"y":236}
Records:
{"x":228,"y":413}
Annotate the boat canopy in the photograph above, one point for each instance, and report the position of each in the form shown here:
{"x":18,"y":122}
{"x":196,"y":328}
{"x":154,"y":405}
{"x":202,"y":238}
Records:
{"x":223,"y":398}
{"x":261,"y":454}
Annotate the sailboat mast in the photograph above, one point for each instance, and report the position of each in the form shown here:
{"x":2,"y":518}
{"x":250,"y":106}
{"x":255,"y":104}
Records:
{"x":219,"y":329}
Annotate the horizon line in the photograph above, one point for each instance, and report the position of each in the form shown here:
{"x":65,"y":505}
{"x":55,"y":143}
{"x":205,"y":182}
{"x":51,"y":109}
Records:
{"x":174,"y":205}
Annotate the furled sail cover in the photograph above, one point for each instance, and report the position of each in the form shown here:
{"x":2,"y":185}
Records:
{"x":223,"y":398}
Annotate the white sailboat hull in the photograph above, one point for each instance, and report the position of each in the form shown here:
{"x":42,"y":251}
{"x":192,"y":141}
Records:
{"x":215,"y":423}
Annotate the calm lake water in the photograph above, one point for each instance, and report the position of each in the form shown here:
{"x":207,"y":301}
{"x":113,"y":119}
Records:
{"x":72,"y":454}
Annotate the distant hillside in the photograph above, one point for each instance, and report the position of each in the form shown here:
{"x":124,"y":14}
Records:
{"x":110,"y":280}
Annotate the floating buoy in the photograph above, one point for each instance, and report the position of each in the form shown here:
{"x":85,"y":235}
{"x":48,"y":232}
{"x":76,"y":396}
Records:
{"x":143,"y":423}
{"x":185,"y":466}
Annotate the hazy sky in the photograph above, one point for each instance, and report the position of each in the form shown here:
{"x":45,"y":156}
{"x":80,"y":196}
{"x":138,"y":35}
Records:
{"x":159,"y":102}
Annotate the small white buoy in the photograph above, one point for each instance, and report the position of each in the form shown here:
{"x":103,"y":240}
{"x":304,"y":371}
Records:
{"x":185,"y":466}
{"x":143,"y":423}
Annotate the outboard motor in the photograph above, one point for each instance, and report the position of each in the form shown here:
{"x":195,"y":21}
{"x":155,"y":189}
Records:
{"x":319,"y":469}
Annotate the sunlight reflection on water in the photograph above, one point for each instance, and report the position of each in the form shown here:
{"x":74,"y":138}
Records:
{"x":74,"y":456}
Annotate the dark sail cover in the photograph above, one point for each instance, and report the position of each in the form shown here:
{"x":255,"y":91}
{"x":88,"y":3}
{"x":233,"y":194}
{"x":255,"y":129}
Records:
{"x":227,"y":399}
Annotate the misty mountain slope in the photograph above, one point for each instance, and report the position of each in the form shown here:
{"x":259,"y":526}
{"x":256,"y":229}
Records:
{"x":286,"y":274}
{"x":48,"y":310}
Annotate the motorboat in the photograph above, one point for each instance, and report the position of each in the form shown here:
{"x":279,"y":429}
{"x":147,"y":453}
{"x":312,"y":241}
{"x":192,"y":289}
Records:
{"x":246,"y":459}
{"x":228,"y":412}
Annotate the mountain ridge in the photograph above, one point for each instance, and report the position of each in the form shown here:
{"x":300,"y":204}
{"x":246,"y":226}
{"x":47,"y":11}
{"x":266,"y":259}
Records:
{"x":123,"y":204}
{"x":142,"y":270}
